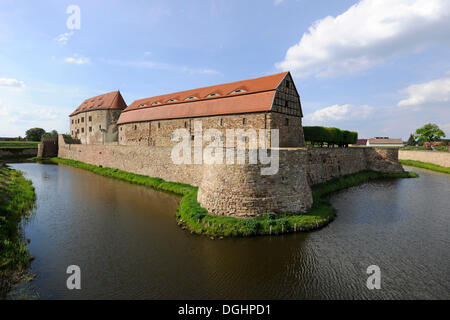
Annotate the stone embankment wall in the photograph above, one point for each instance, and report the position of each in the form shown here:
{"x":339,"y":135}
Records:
{"x":241,"y":190}
{"x":47,"y":149}
{"x":435,"y":157}
{"x":11,"y":153}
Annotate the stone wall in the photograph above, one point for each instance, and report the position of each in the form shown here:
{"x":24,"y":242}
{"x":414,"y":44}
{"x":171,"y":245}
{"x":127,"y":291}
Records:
{"x":324,"y":164}
{"x":158,"y":133}
{"x":435,"y":157}
{"x":48,"y":148}
{"x":146,"y":160}
{"x":241,"y":190}
{"x":11,"y":153}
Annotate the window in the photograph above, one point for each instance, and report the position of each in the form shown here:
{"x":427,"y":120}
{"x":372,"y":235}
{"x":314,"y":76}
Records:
{"x":100,"y":127}
{"x":159,"y":125}
{"x":172,"y":100}
{"x":286,"y":104}
{"x":90,"y":129}
{"x":238,"y":91}
{"x":135,"y":127}
{"x":185,"y":124}
{"x":221,"y":122}
{"x":244,"y":120}
{"x":213,"y":95}
{"x":72,"y":132}
{"x":90,"y":118}
{"x":121,"y":128}
{"x":244,"y":139}
{"x":155,"y":103}
{"x":286,"y":121}
{"x":78,"y":120}
{"x":142,"y":105}
{"x":288,"y":84}
{"x":192,"y":138}
{"x":82,"y":119}
{"x":191,"y":98}
{"x":72,"y":121}
{"x":82,"y":130}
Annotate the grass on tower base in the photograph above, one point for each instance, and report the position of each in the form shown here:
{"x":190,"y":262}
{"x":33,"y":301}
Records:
{"x":193,"y":217}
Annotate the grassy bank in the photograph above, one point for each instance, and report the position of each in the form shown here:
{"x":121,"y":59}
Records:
{"x":190,"y":215}
{"x":425,"y":165}
{"x":16,"y":199}
{"x":18,"y":144}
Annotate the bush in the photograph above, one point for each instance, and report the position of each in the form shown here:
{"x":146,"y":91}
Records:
{"x":330,"y":136}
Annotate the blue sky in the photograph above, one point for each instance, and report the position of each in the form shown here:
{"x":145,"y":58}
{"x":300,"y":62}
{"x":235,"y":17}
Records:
{"x":380,"y":67}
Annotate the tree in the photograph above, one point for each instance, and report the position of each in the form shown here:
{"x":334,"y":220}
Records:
{"x":429,"y":133}
{"x":49,"y":135}
{"x":34,"y":134}
{"x":411,"y":140}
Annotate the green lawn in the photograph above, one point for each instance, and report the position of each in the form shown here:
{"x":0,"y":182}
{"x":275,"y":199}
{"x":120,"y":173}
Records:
{"x":18,"y":144}
{"x":425,"y":165}
{"x":190,"y":215}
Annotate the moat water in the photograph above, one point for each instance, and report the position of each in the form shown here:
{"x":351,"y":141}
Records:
{"x":127,"y":244}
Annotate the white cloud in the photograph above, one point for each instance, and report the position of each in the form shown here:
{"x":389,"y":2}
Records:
{"x":277,"y":2}
{"x":161,"y":66}
{"x":64,"y":37}
{"x":436,"y":91}
{"x":337,"y":113}
{"x":15,"y":119}
{"x":77,"y":59}
{"x":11,"y":83}
{"x":367,"y":34}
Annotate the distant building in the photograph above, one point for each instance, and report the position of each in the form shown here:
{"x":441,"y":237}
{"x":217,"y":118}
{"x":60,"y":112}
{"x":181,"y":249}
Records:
{"x":384,"y":142}
{"x":95,"y":120}
{"x":434,"y":144}
{"x":361,"y":142}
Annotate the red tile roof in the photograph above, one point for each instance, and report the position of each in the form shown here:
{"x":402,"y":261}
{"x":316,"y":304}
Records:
{"x":256,"y":95}
{"x":110,"y":100}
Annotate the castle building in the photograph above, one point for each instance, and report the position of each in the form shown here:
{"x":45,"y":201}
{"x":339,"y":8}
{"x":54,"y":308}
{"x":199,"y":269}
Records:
{"x":95,"y":120}
{"x":270,"y":102}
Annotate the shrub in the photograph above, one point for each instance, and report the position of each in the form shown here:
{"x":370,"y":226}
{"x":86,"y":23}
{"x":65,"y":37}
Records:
{"x":330,"y":136}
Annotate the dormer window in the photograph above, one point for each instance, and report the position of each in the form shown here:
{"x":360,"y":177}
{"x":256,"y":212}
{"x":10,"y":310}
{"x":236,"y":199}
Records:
{"x":172,"y":100}
{"x":191,"y":98}
{"x":142,"y":105}
{"x":155,"y":103}
{"x":238,"y":91}
{"x":213,"y":95}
